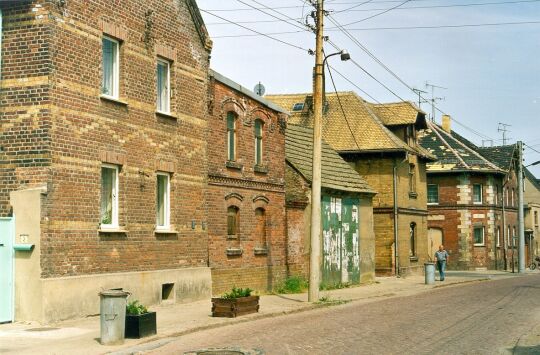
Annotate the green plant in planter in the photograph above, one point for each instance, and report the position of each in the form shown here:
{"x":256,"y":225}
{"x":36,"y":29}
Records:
{"x":135,"y":308}
{"x":237,"y":293}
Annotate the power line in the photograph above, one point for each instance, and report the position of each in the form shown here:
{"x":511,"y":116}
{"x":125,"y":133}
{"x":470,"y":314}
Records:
{"x":255,"y":31}
{"x":378,"y":14}
{"x":266,"y":13}
{"x":445,"y":6}
{"x":394,"y":28}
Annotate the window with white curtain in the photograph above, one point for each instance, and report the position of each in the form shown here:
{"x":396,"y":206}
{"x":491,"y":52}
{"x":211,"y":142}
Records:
{"x":163,"y":72}
{"x":111,"y":72}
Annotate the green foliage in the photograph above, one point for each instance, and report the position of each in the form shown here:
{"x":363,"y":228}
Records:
{"x":293,"y":284}
{"x":237,"y":293}
{"x":329,"y":301}
{"x":136,"y":308}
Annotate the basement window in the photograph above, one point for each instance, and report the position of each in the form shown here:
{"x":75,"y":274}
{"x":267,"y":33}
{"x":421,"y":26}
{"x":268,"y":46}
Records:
{"x":167,"y":293}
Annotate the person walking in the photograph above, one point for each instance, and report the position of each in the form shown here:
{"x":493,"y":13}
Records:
{"x":441,"y":257}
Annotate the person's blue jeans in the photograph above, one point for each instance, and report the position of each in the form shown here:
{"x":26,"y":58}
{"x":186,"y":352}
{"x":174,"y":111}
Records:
{"x":441,"y":265}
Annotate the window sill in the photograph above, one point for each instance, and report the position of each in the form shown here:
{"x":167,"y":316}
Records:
{"x":479,"y":245}
{"x":260,"y":251}
{"x":233,"y":165}
{"x":433,"y":204}
{"x":234,"y":251}
{"x":166,"y":115}
{"x":113,"y":100}
{"x":118,"y":230}
{"x":165,"y":231}
{"x":413,"y":258}
{"x":260,"y":169}
{"x":413,"y":195}
{"x":477,"y":203}
{"x":232,"y":237}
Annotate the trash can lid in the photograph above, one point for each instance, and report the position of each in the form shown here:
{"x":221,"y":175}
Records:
{"x":114,"y":293}
{"x":429,"y":263}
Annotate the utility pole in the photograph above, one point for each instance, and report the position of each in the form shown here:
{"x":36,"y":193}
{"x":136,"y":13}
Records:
{"x":521,"y":222}
{"x":433,"y":98}
{"x":503,"y":127}
{"x":315,"y":242}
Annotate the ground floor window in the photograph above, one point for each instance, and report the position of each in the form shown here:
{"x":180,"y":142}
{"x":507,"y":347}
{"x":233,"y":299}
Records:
{"x":109,"y":196}
{"x":479,"y":236}
{"x":412,"y":236}
{"x":233,"y":214}
{"x":163,"y":201}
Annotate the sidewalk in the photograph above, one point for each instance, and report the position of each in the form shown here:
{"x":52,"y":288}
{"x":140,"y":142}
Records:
{"x":82,"y":335}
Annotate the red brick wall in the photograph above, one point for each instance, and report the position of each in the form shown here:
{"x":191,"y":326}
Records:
{"x":248,"y":190}
{"x":82,"y":129}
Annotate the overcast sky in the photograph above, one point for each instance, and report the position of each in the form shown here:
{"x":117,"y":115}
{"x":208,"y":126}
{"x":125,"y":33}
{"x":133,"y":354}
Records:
{"x":492,"y":73}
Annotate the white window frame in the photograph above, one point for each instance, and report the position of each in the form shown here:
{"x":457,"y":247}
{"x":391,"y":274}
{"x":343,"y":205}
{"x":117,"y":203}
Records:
{"x":167,"y":202}
{"x":498,"y":236}
{"x":481,"y":194}
{"x":168,"y":91}
{"x":116,"y":70}
{"x":115,"y":193}
{"x":483,"y":236}
{"x":433,"y":203}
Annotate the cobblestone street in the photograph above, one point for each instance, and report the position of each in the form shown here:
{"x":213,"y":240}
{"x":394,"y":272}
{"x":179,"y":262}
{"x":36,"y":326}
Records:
{"x":489,"y":317}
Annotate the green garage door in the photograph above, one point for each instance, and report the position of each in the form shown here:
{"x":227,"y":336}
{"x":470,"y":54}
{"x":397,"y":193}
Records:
{"x":341,"y":248}
{"x":6,"y":270}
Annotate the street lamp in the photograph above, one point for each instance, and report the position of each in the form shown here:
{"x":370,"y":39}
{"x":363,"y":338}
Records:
{"x":315,"y":237}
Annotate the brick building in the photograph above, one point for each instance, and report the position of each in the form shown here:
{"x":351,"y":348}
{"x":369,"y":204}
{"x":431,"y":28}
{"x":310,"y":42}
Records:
{"x":380,"y":143}
{"x":246,"y":188}
{"x":472,"y":200}
{"x":103,"y":152}
{"x":347,"y":240}
{"x":532,"y":212}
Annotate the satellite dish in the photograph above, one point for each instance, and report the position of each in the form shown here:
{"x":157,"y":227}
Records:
{"x":259,"y":89}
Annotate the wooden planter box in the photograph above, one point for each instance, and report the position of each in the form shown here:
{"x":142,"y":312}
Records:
{"x":140,"y":325}
{"x":222,"y":307}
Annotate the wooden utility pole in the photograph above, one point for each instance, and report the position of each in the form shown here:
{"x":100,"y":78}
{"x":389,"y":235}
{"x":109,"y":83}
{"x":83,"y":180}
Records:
{"x":315,"y":252}
{"x":521,"y":221}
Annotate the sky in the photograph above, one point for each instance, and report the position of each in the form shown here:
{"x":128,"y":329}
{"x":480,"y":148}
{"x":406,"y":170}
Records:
{"x":491,"y":74}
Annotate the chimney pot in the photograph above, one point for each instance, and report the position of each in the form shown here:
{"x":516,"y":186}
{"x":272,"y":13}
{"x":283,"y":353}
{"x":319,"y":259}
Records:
{"x":447,"y":123}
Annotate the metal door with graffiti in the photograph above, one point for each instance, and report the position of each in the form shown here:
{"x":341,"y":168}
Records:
{"x":341,"y":248}
{"x":6,"y":270}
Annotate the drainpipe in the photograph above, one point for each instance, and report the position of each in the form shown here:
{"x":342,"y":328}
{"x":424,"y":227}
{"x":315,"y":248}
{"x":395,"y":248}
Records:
{"x":504,"y":246}
{"x":396,"y":254}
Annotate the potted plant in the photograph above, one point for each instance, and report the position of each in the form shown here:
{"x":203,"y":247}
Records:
{"x":139,"y":322}
{"x":235,"y":303}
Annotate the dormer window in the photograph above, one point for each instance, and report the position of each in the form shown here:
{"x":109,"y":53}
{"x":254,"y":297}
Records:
{"x":299,"y":106}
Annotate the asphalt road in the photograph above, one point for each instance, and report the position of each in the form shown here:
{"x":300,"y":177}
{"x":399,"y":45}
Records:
{"x":487,"y":317}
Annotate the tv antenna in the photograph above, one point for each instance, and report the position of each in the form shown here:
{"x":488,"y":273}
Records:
{"x":503,"y":127}
{"x":420,"y":98}
{"x":433,"y":98}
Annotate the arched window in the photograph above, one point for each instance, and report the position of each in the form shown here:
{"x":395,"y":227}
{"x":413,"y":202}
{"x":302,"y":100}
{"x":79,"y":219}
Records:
{"x":258,"y":142}
{"x":412,"y":235}
{"x":233,"y":221}
{"x":231,"y":136}
{"x":260,"y":227}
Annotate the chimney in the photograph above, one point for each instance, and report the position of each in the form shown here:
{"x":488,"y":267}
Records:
{"x":447,"y":123}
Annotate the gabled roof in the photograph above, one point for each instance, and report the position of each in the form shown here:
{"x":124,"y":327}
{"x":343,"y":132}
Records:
{"x":530,"y":176}
{"x":454,"y":152}
{"x":400,"y":113}
{"x":336,"y":173}
{"x":360,"y":130}
{"x":502,"y":155}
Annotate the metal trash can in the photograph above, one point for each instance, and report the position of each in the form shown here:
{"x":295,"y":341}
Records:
{"x":112,"y":310}
{"x":429,"y":273}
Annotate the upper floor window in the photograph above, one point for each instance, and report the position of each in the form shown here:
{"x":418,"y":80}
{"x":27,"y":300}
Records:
{"x":412,"y":236}
{"x":513,"y":197}
{"x":536,"y":218}
{"x":433,"y":193}
{"x":477,"y":193}
{"x":111,"y":64}
{"x":233,"y":223}
{"x":260,"y":228}
{"x":412,"y":178}
{"x":163,"y":72}
{"x":231,"y":136}
{"x":479,"y":236}
{"x":258,"y":142}
{"x":498,"y":236}
{"x":163,"y":201}
{"x":109,"y":196}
